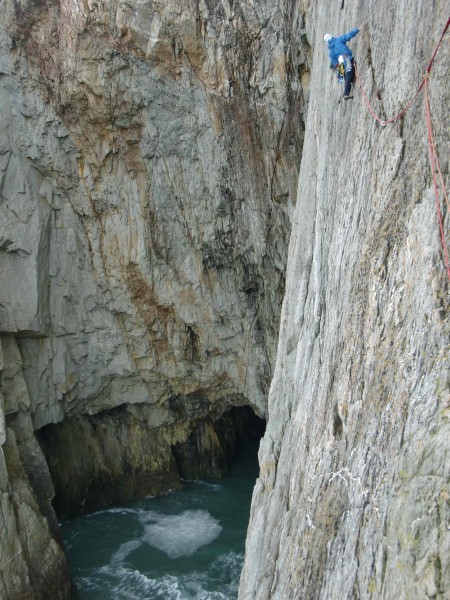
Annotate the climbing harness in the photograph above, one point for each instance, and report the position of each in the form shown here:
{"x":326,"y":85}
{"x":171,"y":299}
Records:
{"x":435,"y":166}
{"x":343,"y":66}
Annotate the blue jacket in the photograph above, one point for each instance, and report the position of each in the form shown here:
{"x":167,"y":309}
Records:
{"x":337,"y":46}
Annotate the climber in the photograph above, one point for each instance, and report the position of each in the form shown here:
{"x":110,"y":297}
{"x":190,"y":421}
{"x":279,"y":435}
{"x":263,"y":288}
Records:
{"x":341,"y":58}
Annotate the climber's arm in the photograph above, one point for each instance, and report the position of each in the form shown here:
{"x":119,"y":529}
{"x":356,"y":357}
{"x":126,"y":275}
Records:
{"x":348,"y":36}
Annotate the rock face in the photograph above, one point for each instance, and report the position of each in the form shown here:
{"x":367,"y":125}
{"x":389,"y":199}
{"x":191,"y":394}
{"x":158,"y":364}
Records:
{"x":123,"y":454}
{"x":149,"y":156}
{"x":353,"y":498}
{"x":145,"y":199}
{"x":32,"y":563}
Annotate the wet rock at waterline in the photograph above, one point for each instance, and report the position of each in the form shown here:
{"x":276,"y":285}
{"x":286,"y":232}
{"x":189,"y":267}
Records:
{"x":149,"y":158}
{"x":148,"y":164}
{"x":32,"y":561}
{"x":124,"y":454}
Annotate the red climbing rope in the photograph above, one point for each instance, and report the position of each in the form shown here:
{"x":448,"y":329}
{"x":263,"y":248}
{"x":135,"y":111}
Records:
{"x":400,"y":114}
{"x":437,"y":162}
{"x":379,"y":119}
{"x":435,"y":166}
{"x":437,"y":47}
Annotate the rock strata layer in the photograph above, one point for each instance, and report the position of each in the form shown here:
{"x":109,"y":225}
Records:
{"x":149,"y":154}
{"x":353,"y":498}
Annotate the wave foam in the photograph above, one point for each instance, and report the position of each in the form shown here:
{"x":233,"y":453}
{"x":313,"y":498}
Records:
{"x":124,"y":550}
{"x":182,"y":534}
{"x":126,"y":583}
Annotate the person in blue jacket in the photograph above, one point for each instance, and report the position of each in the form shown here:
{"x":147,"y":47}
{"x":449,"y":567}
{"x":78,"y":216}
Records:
{"x":340,"y":53}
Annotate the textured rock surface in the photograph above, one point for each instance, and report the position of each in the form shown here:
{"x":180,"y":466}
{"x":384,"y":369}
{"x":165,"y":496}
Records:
{"x":147,"y":194}
{"x":125,"y":454}
{"x":149,"y":155}
{"x":353,"y":498}
{"x":32,"y":563}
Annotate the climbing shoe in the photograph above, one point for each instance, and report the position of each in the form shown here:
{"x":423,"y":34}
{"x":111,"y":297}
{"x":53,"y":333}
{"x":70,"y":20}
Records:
{"x":348,"y":97}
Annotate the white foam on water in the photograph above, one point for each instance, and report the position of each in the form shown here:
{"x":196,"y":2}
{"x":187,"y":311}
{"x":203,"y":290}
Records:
{"x":228,"y":566}
{"x":88,"y":584}
{"x":215,"y":487}
{"x":134,"y":584}
{"x":182,"y":534}
{"x":124,"y":550}
{"x":116,"y":511}
{"x":231,"y":561}
{"x":122,"y":582}
{"x":192,"y":586}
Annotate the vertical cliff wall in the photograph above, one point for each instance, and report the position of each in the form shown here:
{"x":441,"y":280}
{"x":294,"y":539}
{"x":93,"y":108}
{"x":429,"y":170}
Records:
{"x":149,"y":157}
{"x":32,"y":562}
{"x":353,"y":495}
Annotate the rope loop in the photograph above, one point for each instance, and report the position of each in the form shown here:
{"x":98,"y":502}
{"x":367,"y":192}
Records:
{"x":425,"y":78}
{"x":434,"y":160}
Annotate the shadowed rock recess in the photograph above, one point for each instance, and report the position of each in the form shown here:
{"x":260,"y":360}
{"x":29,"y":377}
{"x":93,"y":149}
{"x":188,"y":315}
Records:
{"x":149,"y":160}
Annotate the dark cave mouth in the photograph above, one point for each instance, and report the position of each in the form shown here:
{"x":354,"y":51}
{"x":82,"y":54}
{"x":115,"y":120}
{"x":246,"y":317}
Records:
{"x":213,"y":446}
{"x":190,"y":540}
{"x":115,"y":457}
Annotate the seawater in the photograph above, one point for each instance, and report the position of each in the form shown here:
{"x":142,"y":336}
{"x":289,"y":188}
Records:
{"x":185,"y":545}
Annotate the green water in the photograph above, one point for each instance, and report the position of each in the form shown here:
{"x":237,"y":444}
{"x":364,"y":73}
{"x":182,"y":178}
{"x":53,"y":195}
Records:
{"x":184,"y":545}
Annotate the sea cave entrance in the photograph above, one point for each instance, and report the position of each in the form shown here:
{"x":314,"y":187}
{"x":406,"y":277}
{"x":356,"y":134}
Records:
{"x":122,"y":454}
{"x":187,"y":542}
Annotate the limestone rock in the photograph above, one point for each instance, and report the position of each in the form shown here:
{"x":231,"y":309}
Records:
{"x":146,"y":198}
{"x":148,"y":167}
{"x":32,"y":563}
{"x":353,"y":495}
{"x":129,"y":453}
{"x":149,"y":158}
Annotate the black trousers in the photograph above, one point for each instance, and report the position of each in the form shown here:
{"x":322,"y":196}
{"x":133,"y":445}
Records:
{"x":349,"y":79}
